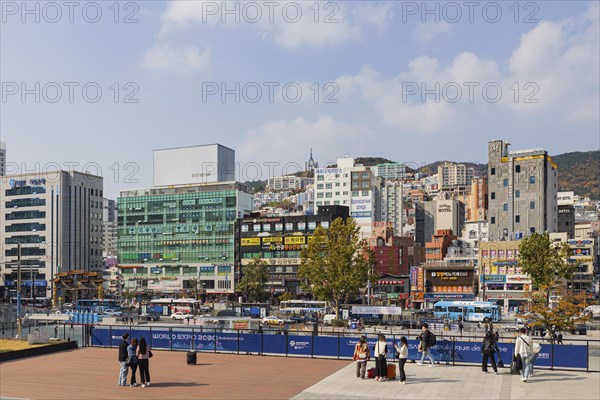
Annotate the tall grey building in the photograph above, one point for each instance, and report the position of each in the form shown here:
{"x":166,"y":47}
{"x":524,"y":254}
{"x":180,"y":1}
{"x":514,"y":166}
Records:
{"x":109,"y":228}
{"x":522,"y":190}
{"x":392,"y":205}
{"x":56,"y":218}
{"x":438,"y":214}
{"x":2,"y":158}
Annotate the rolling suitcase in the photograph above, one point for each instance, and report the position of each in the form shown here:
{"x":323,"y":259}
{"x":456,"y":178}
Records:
{"x":191,"y":357}
{"x":391,"y":371}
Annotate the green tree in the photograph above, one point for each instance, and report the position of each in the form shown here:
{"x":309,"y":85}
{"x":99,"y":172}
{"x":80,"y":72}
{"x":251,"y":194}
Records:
{"x":545,"y":261}
{"x":254,"y":278}
{"x":336,"y":264}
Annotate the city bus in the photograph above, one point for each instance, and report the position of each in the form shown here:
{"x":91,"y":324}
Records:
{"x":97,"y":305}
{"x":475,"y":311}
{"x":170,"y":306}
{"x":38,"y":302}
{"x":303,"y":306}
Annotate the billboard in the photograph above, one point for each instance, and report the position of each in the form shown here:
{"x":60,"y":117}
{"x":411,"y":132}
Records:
{"x":194,"y":164}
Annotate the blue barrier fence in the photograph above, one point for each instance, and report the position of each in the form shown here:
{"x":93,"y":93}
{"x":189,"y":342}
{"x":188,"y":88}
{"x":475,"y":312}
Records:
{"x":339,"y":346}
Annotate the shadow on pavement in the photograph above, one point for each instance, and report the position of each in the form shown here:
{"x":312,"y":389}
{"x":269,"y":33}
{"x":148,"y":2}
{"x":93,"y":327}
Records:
{"x":174,"y":384}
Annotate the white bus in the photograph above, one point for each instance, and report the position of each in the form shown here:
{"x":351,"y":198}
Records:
{"x":303,"y":306}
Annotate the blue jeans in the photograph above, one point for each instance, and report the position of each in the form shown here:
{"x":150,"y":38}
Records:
{"x":123,"y":373}
{"x":527,"y":366}
{"x":532,"y":361}
{"x":428,"y":353}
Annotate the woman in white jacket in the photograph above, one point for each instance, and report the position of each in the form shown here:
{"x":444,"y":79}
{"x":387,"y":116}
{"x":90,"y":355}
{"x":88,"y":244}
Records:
{"x":524,"y":347}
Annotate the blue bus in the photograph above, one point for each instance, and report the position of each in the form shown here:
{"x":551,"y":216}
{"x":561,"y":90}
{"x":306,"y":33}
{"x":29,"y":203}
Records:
{"x":475,"y":311}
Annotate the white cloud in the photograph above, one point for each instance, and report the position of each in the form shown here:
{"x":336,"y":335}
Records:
{"x":162,"y":58}
{"x":289,"y":24}
{"x":425,"y":33}
{"x":285,"y":139}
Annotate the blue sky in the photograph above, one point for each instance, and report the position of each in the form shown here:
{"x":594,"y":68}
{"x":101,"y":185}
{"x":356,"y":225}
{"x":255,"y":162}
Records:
{"x":375,"y":59}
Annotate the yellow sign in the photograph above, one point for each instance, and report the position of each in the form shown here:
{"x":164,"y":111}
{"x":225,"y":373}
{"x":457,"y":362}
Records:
{"x":250,"y":241}
{"x":274,"y":239}
{"x":295,"y":240}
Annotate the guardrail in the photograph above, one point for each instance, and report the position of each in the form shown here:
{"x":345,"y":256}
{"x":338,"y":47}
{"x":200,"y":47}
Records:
{"x":580,"y":354}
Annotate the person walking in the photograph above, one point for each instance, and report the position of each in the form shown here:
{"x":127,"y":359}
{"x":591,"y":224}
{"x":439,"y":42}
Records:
{"x":524,"y":348}
{"x":380,"y":351}
{"x":425,"y":344}
{"x":402,"y":358}
{"x":361,"y":356}
{"x":143,"y":354}
{"x":123,"y":360}
{"x":460,"y":327}
{"x":488,"y":348}
{"x":133,"y":361}
{"x":559,"y":338}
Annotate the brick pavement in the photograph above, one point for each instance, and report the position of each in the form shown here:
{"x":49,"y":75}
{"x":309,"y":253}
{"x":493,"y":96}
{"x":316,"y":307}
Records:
{"x":92,"y":373}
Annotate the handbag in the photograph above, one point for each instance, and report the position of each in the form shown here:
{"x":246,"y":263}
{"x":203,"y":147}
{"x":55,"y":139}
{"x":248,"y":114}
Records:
{"x":150,"y":355}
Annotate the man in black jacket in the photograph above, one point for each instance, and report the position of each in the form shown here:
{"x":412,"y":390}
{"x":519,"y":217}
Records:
{"x":425,"y":344}
{"x":123,"y":360}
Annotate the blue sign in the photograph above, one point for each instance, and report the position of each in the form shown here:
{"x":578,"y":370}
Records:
{"x":570,"y":356}
{"x":492,"y":278}
{"x":250,"y":343}
{"x":448,"y":296}
{"x":160,"y":339}
{"x":300,"y":345}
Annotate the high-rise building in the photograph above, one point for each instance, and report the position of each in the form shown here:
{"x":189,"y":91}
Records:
{"x":451,"y":175}
{"x":477,"y":200}
{"x":392,"y":205}
{"x":522,"y":189}
{"x":390,"y":171}
{"x":56,"y":218}
{"x":349,"y":185}
{"x":109,"y":228}
{"x":2,"y":158}
{"x":438,"y":214}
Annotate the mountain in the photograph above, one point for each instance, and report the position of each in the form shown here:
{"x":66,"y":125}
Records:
{"x":579,"y":172}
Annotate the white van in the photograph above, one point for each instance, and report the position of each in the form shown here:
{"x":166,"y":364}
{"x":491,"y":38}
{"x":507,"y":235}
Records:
{"x":327,"y":318}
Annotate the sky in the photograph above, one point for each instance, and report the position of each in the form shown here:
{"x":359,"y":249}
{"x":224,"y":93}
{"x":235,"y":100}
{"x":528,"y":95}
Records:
{"x":99,"y":85}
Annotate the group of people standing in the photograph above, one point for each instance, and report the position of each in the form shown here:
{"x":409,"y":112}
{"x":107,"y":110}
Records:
{"x":525,"y":349}
{"x":131,"y":355}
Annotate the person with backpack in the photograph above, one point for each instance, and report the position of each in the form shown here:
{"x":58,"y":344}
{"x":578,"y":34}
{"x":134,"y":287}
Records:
{"x":379,"y":351}
{"x":488,"y":348}
{"x":427,"y":340}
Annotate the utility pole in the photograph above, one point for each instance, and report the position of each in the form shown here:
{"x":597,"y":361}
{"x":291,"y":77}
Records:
{"x":19,"y":291}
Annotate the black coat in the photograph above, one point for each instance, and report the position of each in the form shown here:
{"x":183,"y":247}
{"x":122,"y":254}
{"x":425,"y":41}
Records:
{"x":123,"y":351}
{"x":488,"y":346}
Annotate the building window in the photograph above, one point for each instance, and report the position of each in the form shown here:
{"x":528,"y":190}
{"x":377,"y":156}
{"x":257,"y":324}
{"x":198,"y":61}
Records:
{"x":355,"y":193}
{"x":532,"y":205}
{"x":244,"y":228}
{"x":493,"y":171}
{"x":328,"y":186}
{"x":517,"y":193}
{"x":493,"y":195}
{"x":320,"y":177}
{"x":493,"y":220}
{"x":365,"y":192}
{"x":319,"y":195}
{"x":336,"y":202}
{"x":505,"y":182}
{"x":365,"y":184}
{"x":532,"y":179}
{"x":355,"y":175}
{"x":505,"y":206}
{"x":289,"y":226}
{"x":517,"y":218}
{"x":532,"y":229}
{"x":319,"y":186}
{"x":517,"y":168}
{"x":328,"y":195}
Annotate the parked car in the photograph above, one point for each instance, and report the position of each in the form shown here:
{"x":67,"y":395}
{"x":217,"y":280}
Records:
{"x":327,"y":318}
{"x":372,"y":321}
{"x":151,"y":317}
{"x":579,"y":329}
{"x":272,"y":320}
{"x":68,"y":306}
{"x":408,"y":324}
{"x":181,"y":316}
{"x":298,"y":319}
{"x":109,"y":312}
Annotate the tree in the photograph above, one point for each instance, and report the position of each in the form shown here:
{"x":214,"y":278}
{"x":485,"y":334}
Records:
{"x":563,"y":315}
{"x":545,"y":261}
{"x":336,"y":264}
{"x":254,"y":277}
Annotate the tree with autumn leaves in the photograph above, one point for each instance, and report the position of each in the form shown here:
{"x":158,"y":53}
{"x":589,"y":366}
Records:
{"x":547,"y":264}
{"x":336,"y":264}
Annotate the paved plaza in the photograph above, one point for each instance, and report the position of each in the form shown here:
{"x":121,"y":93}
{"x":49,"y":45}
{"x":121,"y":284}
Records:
{"x":91,"y":373}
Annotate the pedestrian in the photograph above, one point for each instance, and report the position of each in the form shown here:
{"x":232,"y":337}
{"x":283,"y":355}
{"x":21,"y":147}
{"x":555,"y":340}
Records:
{"x":497,"y":336}
{"x":133,"y":361}
{"x":488,"y":348}
{"x":402,"y":358}
{"x":123,"y":360}
{"x":559,"y":338}
{"x":380,"y":351}
{"x":361,"y":356}
{"x":479,"y":325}
{"x":425,"y":339}
{"x":143,"y":354}
{"x":460,"y":327}
{"x":524,"y":349}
